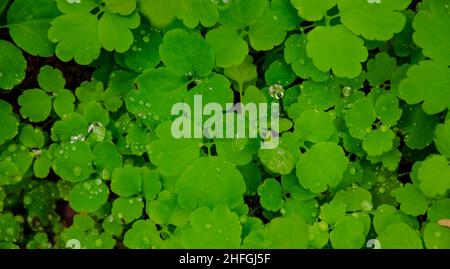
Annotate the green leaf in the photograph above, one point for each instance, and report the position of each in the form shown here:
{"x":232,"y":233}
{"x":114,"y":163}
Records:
{"x":355,"y":199}
{"x":28,"y":24}
{"x":32,"y":137}
{"x":77,"y":37}
{"x":51,"y":79}
{"x":387,"y":109}
{"x":428,"y":82}
{"x":127,"y":209}
{"x":278,"y":235}
{"x":267,"y":32}
{"x":120,"y":7}
{"x":348,"y":233}
{"x":434,"y":176}
{"x":321,"y":166}
{"x":88,"y":196}
{"x":442,"y":140}
{"x":380,"y":68}
{"x":143,"y":235}
{"x":270,"y":194}
{"x":216,"y":228}
{"x":35,"y":104}
{"x":418,"y":126}
{"x":313,"y":10}
{"x":165,"y":210}
{"x":378,"y":142}
{"x":144,"y":52}
{"x":210,"y":181}
{"x":73,"y":161}
{"x":373,"y":20}
{"x":10,"y":173}
{"x":193,"y":12}
{"x":114,"y":31}
{"x":411,"y":200}
{"x":243,"y":13}
{"x":171,"y":155}
{"x":160,"y":12}
{"x":127,"y":181}
{"x":400,"y":236}
{"x":195,"y":60}
{"x":281,"y":159}
{"x":345,"y":55}
{"x":295,"y":55}
{"x":436,"y":237}
{"x":150,"y":184}
{"x":230,"y":49}
{"x":10,"y":124}
{"x":435,"y":43}
{"x":12,"y":65}
{"x":243,"y":73}
{"x":360,"y":118}
{"x":315,"y":126}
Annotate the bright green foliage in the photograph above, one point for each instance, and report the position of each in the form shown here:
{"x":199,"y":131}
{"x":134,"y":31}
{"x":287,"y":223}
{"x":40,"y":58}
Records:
{"x":117,"y":38}
{"x":36,"y":105}
{"x":345,"y":55}
{"x":127,"y":209}
{"x":411,"y":199}
{"x":434,"y":176}
{"x":195,"y":60}
{"x":216,"y":228}
{"x":143,"y":235}
{"x":378,"y":142}
{"x":380,"y":68}
{"x":229,"y":48}
{"x":73,"y":161}
{"x":31,"y":21}
{"x":270,"y":193}
{"x":210,"y":181}
{"x":360,"y":118}
{"x":84,"y":49}
{"x":348,"y":233}
{"x":295,"y":54}
{"x":373,"y":20}
{"x":435,"y":43}
{"x":12,"y":65}
{"x":400,"y":236}
{"x":88,"y":196}
{"x":321,"y":166}
{"x":94,"y":154}
{"x":427,"y":82}
{"x":442,"y":140}
{"x":315,"y":126}
{"x":313,"y":10}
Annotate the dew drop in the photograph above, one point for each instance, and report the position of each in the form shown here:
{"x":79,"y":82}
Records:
{"x":146,"y":39}
{"x":208,"y":226}
{"x":87,"y":186}
{"x":77,"y":171}
{"x":366,"y":205}
{"x":276,"y":91}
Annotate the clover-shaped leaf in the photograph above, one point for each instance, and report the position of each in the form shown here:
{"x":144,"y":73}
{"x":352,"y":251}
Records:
{"x":216,"y":228}
{"x":271,"y":195}
{"x":195,"y":60}
{"x":210,"y":181}
{"x":143,"y":235}
{"x":321,"y":166}
{"x":313,"y":10}
{"x":114,"y":31}
{"x":229,"y":47}
{"x":88,"y":196}
{"x":35,"y":105}
{"x":428,"y":82}
{"x":73,"y":161}
{"x":374,"y":20}
{"x":12,"y":65}
{"x":344,"y":57}
{"x":435,"y":43}
{"x":411,"y":199}
{"x":434,"y":176}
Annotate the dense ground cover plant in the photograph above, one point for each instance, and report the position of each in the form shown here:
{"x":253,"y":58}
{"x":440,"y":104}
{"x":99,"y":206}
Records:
{"x":87,"y":158}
